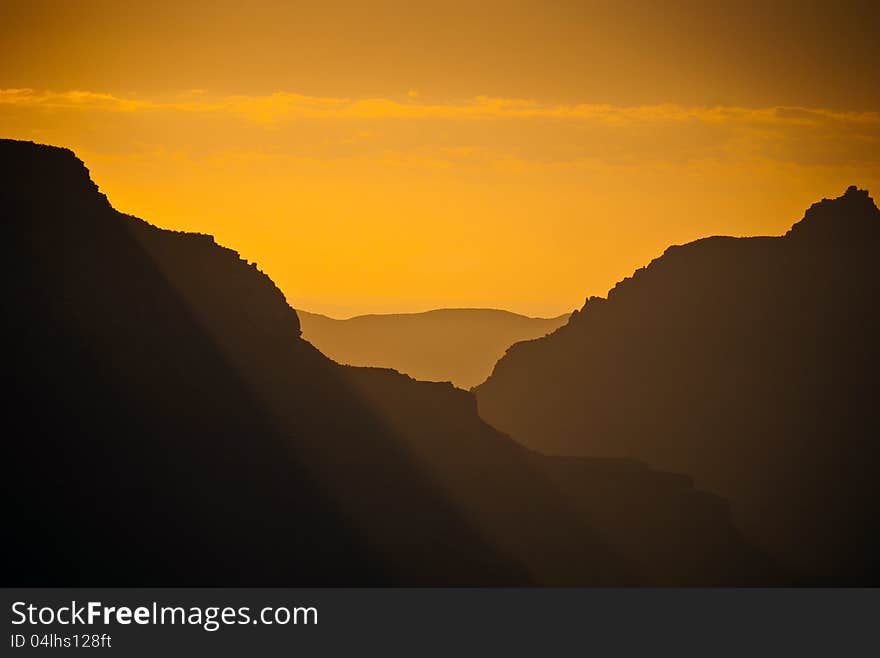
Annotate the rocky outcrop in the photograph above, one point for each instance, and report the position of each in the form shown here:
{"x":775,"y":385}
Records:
{"x":747,"y":363}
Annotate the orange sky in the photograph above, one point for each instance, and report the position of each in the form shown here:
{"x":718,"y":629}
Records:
{"x":373,"y":157}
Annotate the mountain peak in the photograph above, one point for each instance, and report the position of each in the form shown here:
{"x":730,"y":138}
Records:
{"x":849,"y":217}
{"x":43,"y":176}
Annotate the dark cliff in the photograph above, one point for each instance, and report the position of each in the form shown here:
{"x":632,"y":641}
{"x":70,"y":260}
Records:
{"x":748,"y":363}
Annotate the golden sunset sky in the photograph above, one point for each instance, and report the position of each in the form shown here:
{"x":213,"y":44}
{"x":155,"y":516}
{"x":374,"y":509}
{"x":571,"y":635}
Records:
{"x":401,"y":156}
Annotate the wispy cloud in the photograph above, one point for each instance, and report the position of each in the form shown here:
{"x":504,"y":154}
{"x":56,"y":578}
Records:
{"x":285,"y":105}
{"x":477,"y":132}
{"x":75,"y":99}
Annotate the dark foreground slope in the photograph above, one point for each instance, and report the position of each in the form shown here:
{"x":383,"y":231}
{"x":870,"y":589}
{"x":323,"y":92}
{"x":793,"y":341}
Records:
{"x":749,"y":363}
{"x":165,"y":424}
{"x":171,"y":428}
{"x":458,"y":345}
{"x":666,"y":531}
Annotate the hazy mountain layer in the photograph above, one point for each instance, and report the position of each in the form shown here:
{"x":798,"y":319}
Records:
{"x":455,"y":345}
{"x":750,"y":363}
{"x":166,"y":425}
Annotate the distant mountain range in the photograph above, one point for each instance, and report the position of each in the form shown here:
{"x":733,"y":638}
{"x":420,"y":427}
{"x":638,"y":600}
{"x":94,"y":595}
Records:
{"x":749,"y":363}
{"x":456,"y":345}
{"x":167,"y":425}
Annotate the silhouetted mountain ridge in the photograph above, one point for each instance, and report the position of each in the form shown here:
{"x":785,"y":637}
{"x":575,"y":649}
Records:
{"x":747,"y":362}
{"x":457,"y":345}
{"x":174,"y":429}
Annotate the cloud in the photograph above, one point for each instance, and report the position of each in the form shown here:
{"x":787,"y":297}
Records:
{"x":290,"y":105}
{"x":479,"y":131}
{"x":85,"y":100}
